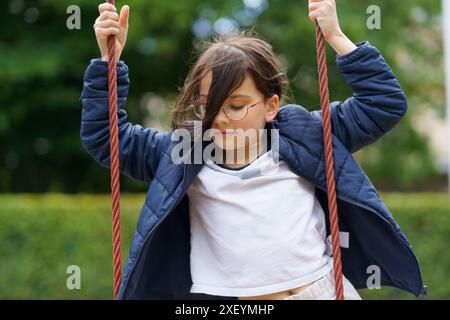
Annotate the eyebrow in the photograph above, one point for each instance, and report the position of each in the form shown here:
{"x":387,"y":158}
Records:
{"x":232,"y":96}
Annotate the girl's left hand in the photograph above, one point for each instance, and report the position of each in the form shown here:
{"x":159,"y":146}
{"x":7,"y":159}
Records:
{"x":324,"y":11}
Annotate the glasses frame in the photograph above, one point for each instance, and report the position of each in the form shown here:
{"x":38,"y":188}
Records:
{"x":247,"y":107}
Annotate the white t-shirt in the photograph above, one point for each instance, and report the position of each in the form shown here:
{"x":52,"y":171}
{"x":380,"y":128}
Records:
{"x":255,"y":231}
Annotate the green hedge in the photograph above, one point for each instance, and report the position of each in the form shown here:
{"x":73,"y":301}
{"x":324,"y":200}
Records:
{"x":41,"y":235}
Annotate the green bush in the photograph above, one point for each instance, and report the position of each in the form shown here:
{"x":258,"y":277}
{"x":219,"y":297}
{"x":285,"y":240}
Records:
{"x":425,"y":219}
{"x":42,"y":235}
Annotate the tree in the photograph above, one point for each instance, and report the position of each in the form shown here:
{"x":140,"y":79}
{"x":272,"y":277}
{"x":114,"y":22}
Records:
{"x":42,"y":63}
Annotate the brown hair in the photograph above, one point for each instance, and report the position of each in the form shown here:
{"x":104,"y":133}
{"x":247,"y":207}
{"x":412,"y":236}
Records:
{"x":229,"y":58}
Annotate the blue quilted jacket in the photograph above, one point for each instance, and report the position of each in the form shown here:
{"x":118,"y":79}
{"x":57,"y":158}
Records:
{"x":158,"y":265}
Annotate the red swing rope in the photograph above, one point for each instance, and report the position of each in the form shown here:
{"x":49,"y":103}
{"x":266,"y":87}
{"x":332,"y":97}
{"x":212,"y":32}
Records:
{"x":329,"y":161}
{"x":114,"y":152}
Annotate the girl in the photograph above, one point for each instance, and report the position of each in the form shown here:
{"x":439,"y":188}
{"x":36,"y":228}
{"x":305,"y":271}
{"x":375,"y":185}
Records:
{"x":253,"y":226}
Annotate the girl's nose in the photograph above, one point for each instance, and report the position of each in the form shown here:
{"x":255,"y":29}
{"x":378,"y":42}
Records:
{"x":221,"y":119}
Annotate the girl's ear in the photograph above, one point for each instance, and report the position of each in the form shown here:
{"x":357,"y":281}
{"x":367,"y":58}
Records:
{"x":272,"y":105}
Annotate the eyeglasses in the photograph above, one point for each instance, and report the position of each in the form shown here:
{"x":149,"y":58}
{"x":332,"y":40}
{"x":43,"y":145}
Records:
{"x":232,"y":111}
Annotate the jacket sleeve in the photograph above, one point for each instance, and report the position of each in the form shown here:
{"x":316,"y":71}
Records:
{"x":377,"y":104}
{"x":139,"y":148}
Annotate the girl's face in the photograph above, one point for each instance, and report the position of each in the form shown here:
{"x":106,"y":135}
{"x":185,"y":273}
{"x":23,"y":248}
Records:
{"x":245,"y":95}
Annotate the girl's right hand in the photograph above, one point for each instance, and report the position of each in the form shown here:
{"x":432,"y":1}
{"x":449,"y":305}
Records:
{"x":110,"y":23}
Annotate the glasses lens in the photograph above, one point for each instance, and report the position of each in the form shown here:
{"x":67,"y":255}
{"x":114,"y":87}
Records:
{"x":235,"y":112}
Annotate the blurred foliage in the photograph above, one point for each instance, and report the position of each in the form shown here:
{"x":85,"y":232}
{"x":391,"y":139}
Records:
{"x":42,"y":235}
{"x":42,"y":64}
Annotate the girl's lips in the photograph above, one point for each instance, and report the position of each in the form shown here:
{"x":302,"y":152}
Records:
{"x":224,"y":132}
{"x":218,"y":132}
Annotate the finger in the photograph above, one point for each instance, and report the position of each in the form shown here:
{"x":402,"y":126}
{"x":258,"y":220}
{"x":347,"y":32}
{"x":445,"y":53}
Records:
{"x":314,"y":14}
{"x":105,"y":15}
{"x":322,"y":3}
{"x":107,"y":31}
{"x":106,"y":24}
{"x":106,"y":7}
{"x":314,"y":6}
{"x":124,"y":14}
